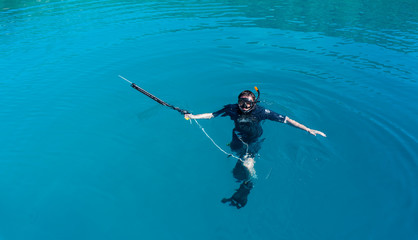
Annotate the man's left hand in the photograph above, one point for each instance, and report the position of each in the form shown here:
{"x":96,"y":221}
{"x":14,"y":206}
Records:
{"x":314,"y":132}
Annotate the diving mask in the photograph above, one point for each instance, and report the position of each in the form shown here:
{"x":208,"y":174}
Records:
{"x":246,"y":104}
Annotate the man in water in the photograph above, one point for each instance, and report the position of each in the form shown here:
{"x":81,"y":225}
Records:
{"x":247,"y":116}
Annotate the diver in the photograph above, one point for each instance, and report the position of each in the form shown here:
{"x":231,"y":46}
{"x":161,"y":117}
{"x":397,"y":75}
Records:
{"x":246,"y":142}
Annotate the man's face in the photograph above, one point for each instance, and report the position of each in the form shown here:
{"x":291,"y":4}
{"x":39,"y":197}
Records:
{"x":246,"y":103}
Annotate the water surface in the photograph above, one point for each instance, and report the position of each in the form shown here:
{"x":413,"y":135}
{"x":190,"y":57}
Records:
{"x":85,"y":156}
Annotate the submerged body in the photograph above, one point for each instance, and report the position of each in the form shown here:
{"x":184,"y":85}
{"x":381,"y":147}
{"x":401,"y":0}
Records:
{"x":246,"y":142}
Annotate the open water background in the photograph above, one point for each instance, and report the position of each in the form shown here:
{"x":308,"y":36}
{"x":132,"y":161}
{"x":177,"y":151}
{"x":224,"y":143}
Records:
{"x":84,"y":156}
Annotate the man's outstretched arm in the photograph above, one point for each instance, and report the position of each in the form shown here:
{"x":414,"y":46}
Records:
{"x":199,"y":116}
{"x":298,"y":125}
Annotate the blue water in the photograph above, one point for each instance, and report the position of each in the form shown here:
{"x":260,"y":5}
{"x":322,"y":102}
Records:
{"x":84,"y":156}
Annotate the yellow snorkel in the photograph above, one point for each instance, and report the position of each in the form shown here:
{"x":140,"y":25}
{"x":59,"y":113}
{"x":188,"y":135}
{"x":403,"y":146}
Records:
{"x":258,"y":92}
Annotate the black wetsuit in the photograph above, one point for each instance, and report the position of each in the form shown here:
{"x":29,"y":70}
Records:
{"x":248,"y":128}
{"x":245,"y":140}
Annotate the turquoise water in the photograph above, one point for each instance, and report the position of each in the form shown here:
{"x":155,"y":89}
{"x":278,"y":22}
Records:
{"x":84,"y":156}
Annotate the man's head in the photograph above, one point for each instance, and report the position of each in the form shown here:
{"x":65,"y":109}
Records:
{"x":246,"y":101}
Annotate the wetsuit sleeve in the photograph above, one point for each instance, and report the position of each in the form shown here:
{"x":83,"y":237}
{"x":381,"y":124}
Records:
{"x":221,"y":112}
{"x":270,"y":115}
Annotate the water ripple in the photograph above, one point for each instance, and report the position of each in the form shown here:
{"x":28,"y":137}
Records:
{"x":72,"y":127}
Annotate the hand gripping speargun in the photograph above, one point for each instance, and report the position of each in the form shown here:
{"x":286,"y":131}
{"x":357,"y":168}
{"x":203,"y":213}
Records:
{"x":182,"y":111}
